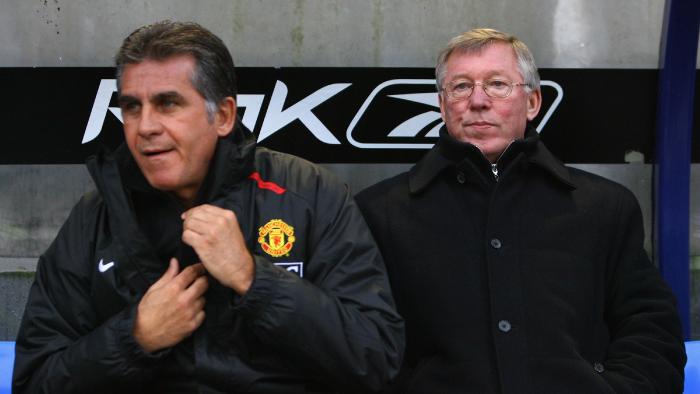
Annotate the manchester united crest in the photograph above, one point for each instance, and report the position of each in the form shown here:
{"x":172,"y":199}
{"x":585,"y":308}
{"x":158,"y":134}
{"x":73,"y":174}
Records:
{"x":276,"y":238}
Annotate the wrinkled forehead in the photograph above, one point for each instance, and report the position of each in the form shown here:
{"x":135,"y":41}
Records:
{"x":502,"y":49}
{"x":490,"y":58}
{"x":155,"y":75}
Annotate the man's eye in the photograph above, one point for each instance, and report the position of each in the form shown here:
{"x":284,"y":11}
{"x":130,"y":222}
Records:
{"x":169,"y":104}
{"x":130,"y":107}
{"x":461,"y":86}
{"x":498,"y":84}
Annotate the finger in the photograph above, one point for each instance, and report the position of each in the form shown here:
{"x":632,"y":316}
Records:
{"x":198,"y":210}
{"x":204,"y":208}
{"x":170,"y":273}
{"x":199,"y":318}
{"x":202,"y":225}
{"x":188,"y":275}
{"x":197,"y":288}
{"x":199,"y":303}
{"x":209,"y":213}
{"x":206,"y":224}
{"x":218,"y":227}
{"x":198,"y":269}
{"x":192,"y":238}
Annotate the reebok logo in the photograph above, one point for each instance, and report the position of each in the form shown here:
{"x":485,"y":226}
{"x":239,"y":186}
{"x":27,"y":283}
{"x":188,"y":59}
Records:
{"x":397,"y":114}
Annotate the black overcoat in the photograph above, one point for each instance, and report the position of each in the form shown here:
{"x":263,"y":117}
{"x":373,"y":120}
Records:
{"x":529,"y":277}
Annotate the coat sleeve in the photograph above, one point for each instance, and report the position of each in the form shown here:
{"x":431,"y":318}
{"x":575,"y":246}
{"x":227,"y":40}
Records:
{"x":342,"y":327}
{"x":646,"y":351}
{"x":62,"y":347}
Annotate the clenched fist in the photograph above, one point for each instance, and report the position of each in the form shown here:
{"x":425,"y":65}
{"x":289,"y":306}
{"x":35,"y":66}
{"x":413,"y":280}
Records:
{"x":214,"y":233}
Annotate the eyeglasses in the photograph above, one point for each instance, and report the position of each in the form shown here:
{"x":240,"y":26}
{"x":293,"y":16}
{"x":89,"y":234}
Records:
{"x":460,"y":89}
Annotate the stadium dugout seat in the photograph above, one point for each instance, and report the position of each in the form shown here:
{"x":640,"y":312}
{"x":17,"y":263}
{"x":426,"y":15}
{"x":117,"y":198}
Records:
{"x":7,"y":358}
{"x":692,"y":368}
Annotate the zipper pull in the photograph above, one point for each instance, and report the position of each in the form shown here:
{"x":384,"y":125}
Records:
{"x":494,"y":169}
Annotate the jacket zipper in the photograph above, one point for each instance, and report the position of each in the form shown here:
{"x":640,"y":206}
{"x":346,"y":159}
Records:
{"x":494,"y":165}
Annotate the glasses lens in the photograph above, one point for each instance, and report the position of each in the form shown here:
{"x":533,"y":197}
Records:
{"x":497,"y":88}
{"x":460,"y":89}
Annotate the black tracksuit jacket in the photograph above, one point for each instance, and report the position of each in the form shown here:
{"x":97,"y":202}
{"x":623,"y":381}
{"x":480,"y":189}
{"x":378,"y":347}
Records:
{"x":319,"y":315}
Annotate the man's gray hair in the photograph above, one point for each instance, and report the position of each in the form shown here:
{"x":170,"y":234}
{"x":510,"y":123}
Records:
{"x":477,"y":39}
{"x":214,"y":75}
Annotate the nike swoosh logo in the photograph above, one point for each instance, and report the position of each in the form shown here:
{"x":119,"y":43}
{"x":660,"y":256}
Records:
{"x":102,"y":267}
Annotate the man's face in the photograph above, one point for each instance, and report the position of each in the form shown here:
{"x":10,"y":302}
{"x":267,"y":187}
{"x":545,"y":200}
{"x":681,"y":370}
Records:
{"x":488,"y":123}
{"x":166,"y":125}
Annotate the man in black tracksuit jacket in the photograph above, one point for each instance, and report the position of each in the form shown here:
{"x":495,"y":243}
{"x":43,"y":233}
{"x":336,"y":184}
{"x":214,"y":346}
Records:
{"x":516,"y":274}
{"x":203,"y":263}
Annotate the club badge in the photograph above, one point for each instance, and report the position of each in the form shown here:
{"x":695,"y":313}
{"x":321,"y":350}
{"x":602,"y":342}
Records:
{"x":276,"y":238}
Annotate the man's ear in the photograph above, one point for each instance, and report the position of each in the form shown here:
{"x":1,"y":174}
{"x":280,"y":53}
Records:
{"x":225,"y":116}
{"x":441,"y":96}
{"x":534,"y":102}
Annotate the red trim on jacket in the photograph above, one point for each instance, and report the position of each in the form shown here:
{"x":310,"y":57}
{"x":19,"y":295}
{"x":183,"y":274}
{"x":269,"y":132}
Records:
{"x":265,"y":184}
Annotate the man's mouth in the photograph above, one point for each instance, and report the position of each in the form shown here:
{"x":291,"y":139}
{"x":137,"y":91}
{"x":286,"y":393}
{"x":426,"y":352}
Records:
{"x":479,"y":124}
{"x":152,"y":152}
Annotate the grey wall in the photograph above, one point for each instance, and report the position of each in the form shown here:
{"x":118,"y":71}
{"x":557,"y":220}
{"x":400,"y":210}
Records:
{"x":570,"y":33}
{"x":34,"y":200}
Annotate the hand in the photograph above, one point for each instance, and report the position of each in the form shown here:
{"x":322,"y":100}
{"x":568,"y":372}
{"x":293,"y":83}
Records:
{"x":215,"y":235}
{"x":172,"y":308}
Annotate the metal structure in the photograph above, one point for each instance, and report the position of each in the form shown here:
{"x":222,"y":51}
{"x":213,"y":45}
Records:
{"x":674,"y":128}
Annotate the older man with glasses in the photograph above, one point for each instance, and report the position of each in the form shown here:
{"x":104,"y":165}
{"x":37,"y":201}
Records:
{"x":516,"y":274}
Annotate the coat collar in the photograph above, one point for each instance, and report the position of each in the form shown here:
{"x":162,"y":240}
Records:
{"x":449,"y":152}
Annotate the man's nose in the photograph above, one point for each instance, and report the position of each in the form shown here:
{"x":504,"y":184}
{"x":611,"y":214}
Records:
{"x":149,"y":123}
{"x":479,"y":98}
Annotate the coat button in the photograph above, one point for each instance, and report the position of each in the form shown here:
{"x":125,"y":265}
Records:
{"x":598,"y":367}
{"x":461,"y":178}
{"x":496,"y":243}
{"x":504,"y":325}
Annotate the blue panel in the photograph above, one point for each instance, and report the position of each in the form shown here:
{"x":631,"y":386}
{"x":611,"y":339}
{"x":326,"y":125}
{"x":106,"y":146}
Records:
{"x":7,"y":358}
{"x":674,"y":123}
{"x":692,"y":367}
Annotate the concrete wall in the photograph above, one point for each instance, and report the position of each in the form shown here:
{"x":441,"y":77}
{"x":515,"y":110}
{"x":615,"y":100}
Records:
{"x":377,"y":33}
{"x":34,"y":199}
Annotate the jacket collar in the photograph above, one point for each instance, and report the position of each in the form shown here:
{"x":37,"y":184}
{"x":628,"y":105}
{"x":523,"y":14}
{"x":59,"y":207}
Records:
{"x":233,"y":160}
{"x":117,"y":176}
{"x":448,"y":152}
